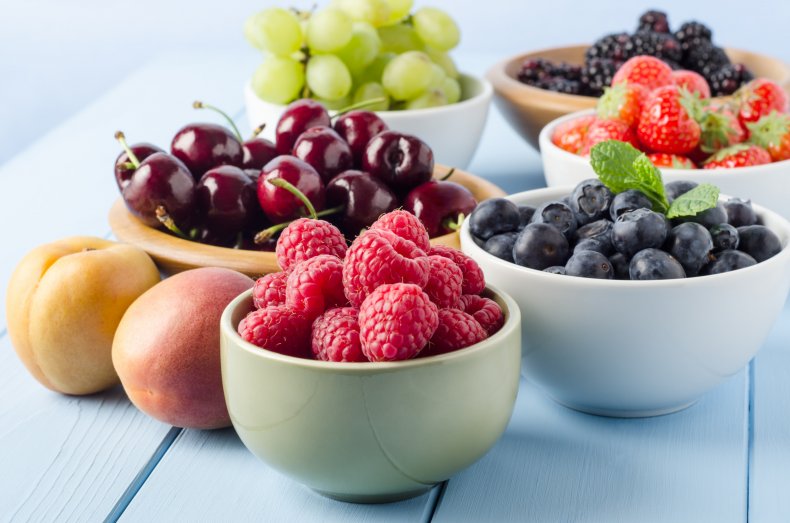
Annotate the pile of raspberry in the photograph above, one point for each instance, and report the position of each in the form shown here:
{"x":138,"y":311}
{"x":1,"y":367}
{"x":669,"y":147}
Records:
{"x":390,"y":296}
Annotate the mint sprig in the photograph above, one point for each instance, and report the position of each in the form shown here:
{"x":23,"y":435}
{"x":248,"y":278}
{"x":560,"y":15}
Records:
{"x":702,"y":197}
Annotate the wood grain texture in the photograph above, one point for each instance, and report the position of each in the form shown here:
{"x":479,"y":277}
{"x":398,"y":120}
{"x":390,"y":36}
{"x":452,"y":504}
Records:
{"x":211,"y":476}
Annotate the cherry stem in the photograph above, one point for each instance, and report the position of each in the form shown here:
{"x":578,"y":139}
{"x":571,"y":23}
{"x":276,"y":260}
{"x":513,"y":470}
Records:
{"x":285,"y":184}
{"x":453,"y":224}
{"x":166,"y":220}
{"x":358,"y":105}
{"x":258,"y":130}
{"x":449,"y":173}
{"x":265,"y":234}
{"x":132,"y":157}
{"x":197,"y":104}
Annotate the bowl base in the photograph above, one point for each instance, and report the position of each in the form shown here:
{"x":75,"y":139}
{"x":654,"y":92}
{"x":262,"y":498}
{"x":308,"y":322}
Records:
{"x":625,"y":413}
{"x":375,"y":498}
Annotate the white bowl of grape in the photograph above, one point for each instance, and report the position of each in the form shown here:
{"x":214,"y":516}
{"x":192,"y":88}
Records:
{"x":371,"y":54}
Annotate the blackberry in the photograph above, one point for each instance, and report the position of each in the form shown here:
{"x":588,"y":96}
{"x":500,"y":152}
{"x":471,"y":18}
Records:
{"x":562,"y":85}
{"x":655,"y":21}
{"x":692,"y":33}
{"x":597,"y":74}
{"x":705,"y":59}
{"x":535,"y":70}
{"x":660,"y":45}
{"x":728,"y":79}
{"x":566,"y":71}
{"x":611,"y":46}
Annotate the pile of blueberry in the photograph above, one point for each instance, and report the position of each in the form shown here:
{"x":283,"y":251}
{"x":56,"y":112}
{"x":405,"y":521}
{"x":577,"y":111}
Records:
{"x":595,"y":233}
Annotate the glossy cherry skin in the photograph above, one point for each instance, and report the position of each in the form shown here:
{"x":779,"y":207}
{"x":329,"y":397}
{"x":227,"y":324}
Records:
{"x":400,"y":160}
{"x":298,"y":117}
{"x":142,"y":150}
{"x":203,"y":146}
{"x":227,"y":201}
{"x":357,"y":128}
{"x":278,"y":204}
{"x":325,"y":150}
{"x":161,"y":179}
{"x":436,"y":201}
{"x":258,"y":152}
{"x":365,"y":199}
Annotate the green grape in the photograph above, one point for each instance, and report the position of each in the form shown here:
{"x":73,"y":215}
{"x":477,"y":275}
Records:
{"x":436,"y":28}
{"x":437,"y":77}
{"x":328,"y":30}
{"x":278,"y":79}
{"x":408,"y":75}
{"x":374,"y":12}
{"x":370,"y":91}
{"x":399,"y":39}
{"x":334,"y":105}
{"x":275,"y":30}
{"x":398,"y":10}
{"x":444,"y":60}
{"x":451,"y":89}
{"x":374,"y":71}
{"x":328,"y":77}
{"x":362,"y":49}
{"x":430,"y":98}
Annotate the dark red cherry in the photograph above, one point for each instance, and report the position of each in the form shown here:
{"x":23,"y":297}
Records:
{"x":258,"y":152}
{"x":438,"y":205}
{"x":325,"y":150}
{"x":363,"y":197}
{"x":227,"y":201}
{"x":298,"y":117}
{"x":124,"y":167}
{"x":357,"y":128}
{"x":203,"y":146}
{"x":277,"y":203}
{"x":400,"y":160}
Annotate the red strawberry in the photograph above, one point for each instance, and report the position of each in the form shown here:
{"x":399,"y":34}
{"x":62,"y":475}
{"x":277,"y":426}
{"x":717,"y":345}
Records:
{"x":772,"y":132}
{"x":665,"y":125}
{"x":693,"y":82}
{"x":719,"y":128}
{"x":760,"y":97}
{"x":644,"y":70}
{"x":622,"y":102}
{"x":570,"y":135}
{"x":739,"y":155}
{"x":671,"y":161}
{"x":602,"y":130}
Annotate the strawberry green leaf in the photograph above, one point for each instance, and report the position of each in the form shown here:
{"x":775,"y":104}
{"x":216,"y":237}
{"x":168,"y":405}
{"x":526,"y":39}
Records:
{"x":702,"y":197}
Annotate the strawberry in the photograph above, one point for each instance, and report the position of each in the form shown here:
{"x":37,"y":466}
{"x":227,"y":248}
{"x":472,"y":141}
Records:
{"x":693,"y":82}
{"x":738,"y":155}
{"x":720,"y":128}
{"x":671,"y":161}
{"x":644,"y":70}
{"x":602,"y":130}
{"x":622,"y":102}
{"x":665,"y":125}
{"x":758,"y":98}
{"x":570,"y":135}
{"x":772,"y":132}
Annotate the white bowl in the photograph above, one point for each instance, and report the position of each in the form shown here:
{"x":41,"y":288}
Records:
{"x":764,"y":184}
{"x":638,"y":348}
{"x":452,"y":131}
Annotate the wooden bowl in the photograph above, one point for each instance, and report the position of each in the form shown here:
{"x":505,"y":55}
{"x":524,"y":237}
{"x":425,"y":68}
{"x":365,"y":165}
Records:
{"x":529,"y":108}
{"x":173,"y":254}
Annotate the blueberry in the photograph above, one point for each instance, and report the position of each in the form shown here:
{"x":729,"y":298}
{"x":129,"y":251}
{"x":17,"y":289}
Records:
{"x":689,"y":243}
{"x":589,"y":264}
{"x":637,"y":230}
{"x":594,"y":229}
{"x":626,"y":201}
{"x":655,"y":264}
{"x":602,"y":244}
{"x":501,"y":245}
{"x":740,"y":212}
{"x":555,"y":269}
{"x":678,"y":187}
{"x":590,"y":201}
{"x":758,"y":241}
{"x":707,"y":218}
{"x":726,"y":261}
{"x":620,"y":265}
{"x":557,"y":214}
{"x":725,"y":237}
{"x":540,"y":245}
{"x":492,"y":217}
{"x":526,"y":212}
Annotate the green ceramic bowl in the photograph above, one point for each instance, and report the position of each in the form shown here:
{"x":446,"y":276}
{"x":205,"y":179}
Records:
{"x":371,"y":432}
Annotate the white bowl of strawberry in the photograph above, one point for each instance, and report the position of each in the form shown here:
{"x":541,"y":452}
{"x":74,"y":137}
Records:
{"x":739,"y":144}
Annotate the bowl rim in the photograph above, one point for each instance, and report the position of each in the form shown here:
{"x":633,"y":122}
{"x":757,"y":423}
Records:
{"x":544,"y":140}
{"x":512,"y":323}
{"x":469,"y":247}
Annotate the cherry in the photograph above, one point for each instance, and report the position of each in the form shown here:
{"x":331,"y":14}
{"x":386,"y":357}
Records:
{"x":124,"y":168}
{"x":258,"y":151}
{"x":400,"y":160}
{"x":325,"y":150}
{"x":438,"y":205}
{"x":227,"y":202}
{"x":363,"y":198}
{"x":203,"y":146}
{"x":296,"y":119}
{"x":357,"y":128}
{"x":278,"y":203}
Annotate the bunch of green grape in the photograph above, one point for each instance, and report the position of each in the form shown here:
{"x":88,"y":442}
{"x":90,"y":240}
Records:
{"x":356,"y":50}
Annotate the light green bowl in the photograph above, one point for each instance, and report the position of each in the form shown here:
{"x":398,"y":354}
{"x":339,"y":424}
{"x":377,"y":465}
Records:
{"x":371,"y":432}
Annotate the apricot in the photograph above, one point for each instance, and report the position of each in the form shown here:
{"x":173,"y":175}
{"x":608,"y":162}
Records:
{"x":166,"y":349}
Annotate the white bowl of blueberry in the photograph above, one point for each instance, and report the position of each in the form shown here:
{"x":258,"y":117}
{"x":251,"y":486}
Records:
{"x":636,"y":297}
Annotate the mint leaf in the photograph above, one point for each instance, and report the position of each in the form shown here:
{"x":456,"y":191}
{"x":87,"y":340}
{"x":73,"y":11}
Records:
{"x":702,"y":197}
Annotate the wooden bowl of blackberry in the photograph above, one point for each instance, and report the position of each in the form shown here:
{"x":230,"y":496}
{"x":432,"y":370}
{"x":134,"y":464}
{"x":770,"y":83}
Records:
{"x":536,"y":87}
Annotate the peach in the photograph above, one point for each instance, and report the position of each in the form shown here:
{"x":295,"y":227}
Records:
{"x":65,"y":300}
{"x":166,"y":349}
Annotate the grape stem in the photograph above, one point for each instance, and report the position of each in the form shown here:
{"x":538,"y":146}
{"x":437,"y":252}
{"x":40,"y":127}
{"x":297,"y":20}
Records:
{"x":197,"y":104}
{"x":266,"y":234}
{"x":449,"y":173}
{"x":132,"y":157}
{"x":453,"y":224}
{"x":358,"y":105}
{"x":167,"y":220}
{"x":285,"y":184}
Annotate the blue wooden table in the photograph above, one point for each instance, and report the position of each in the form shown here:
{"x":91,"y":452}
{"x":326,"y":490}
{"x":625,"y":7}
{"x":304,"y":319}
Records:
{"x":725,"y":459}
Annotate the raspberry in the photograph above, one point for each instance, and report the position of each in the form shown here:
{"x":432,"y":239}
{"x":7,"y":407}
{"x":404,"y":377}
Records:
{"x":396,"y":321}
{"x":405,"y":225}
{"x":456,"y":330}
{"x":336,"y":335}
{"x":269,"y":290}
{"x":377,"y":257}
{"x":279,"y":329}
{"x":485,"y":311}
{"x":306,"y":238}
{"x":445,"y":280}
{"x":315,"y":285}
{"x":474,"y":281}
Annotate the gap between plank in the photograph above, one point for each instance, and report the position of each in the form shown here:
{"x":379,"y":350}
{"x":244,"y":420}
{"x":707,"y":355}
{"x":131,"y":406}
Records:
{"x":434,"y":500}
{"x":749,"y":436}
